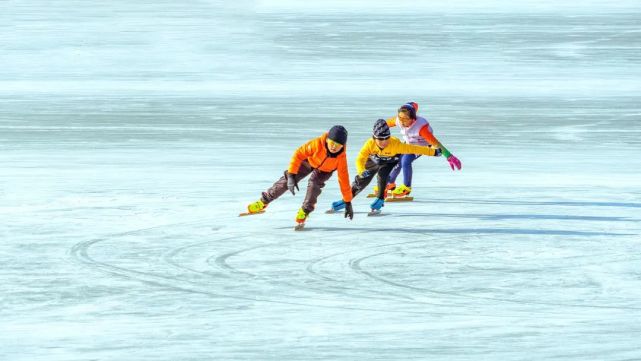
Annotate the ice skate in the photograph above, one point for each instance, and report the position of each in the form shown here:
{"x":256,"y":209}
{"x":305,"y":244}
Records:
{"x":388,"y":188}
{"x":376,"y":207}
{"x":301,"y":217}
{"x":336,"y":206}
{"x":257,"y":207}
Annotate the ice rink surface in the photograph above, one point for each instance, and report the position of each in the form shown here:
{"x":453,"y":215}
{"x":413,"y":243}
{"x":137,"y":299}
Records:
{"x":131,"y":136}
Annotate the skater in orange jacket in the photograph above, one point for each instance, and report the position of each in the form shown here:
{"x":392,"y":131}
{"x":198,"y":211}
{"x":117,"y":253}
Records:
{"x":379,"y":155}
{"x":319,"y":157}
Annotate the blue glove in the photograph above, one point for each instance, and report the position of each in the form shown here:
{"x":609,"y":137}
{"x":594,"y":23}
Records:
{"x":366,"y":173}
{"x":378,"y":204}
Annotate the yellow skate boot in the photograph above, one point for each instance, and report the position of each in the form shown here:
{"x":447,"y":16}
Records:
{"x":301,"y":216}
{"x":389,"y":187}
{"x":256,"y":207}
{"x":401,"y":191}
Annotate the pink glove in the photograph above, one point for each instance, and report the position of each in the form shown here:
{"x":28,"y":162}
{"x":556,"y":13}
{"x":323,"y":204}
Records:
{"x":454,"y":162}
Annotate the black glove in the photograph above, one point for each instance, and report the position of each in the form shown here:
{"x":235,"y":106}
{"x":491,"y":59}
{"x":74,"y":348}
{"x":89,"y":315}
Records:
{"x":349,"y":211}
{"x":292,"y":183}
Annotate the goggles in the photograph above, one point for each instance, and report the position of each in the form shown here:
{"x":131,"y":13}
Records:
{"x":333,"y":143}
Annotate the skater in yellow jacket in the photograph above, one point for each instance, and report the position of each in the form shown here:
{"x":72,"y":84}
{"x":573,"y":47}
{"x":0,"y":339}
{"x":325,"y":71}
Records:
{"x":379,"y":155}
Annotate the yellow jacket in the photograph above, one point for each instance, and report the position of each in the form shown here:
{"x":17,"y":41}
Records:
{"x":394,"y":148}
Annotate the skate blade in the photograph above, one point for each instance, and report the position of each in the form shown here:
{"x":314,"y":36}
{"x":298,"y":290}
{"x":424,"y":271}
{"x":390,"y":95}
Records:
{"x":299,"y":227}
{"x":374,"y":213}
{"x":330,"y":211}
{"x":399,"y":199}
{"x":250,"y":214}
{"x":372,"y":195}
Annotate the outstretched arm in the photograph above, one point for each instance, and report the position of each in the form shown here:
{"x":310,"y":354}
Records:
{"x":454,"y":162}
{"x":426,"y":134}
{"x":405,"y":148}
{"x":343,"y":180}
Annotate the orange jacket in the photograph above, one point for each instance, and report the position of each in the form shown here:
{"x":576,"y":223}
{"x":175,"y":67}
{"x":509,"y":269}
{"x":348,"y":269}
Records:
{"x":316,"y":153}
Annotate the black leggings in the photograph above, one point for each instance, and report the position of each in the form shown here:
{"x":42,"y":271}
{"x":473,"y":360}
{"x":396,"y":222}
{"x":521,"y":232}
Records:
{"x":382,"y":169}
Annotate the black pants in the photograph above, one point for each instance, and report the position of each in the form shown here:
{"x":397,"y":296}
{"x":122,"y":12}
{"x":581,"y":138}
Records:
{"x":380,"y":168}
{"x":314,"y":186}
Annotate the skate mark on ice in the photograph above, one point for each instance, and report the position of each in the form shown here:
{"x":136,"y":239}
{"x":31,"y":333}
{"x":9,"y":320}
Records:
{"x":535,"y":203}
{"x":499,"y":217}
{"x":80,"y":253}
{"x":223,"y":262}
{"x":356,"y":265}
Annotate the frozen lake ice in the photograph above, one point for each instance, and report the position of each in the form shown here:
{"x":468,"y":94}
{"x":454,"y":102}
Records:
{"x":131,"y":136}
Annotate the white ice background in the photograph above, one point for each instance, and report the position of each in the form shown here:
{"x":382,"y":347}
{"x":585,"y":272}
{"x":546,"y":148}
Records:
{"x":133,"y":133}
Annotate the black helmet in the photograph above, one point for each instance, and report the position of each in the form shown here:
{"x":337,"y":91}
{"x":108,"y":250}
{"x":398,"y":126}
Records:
{"x":381,"y":130}
{"x":338,"y":133}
